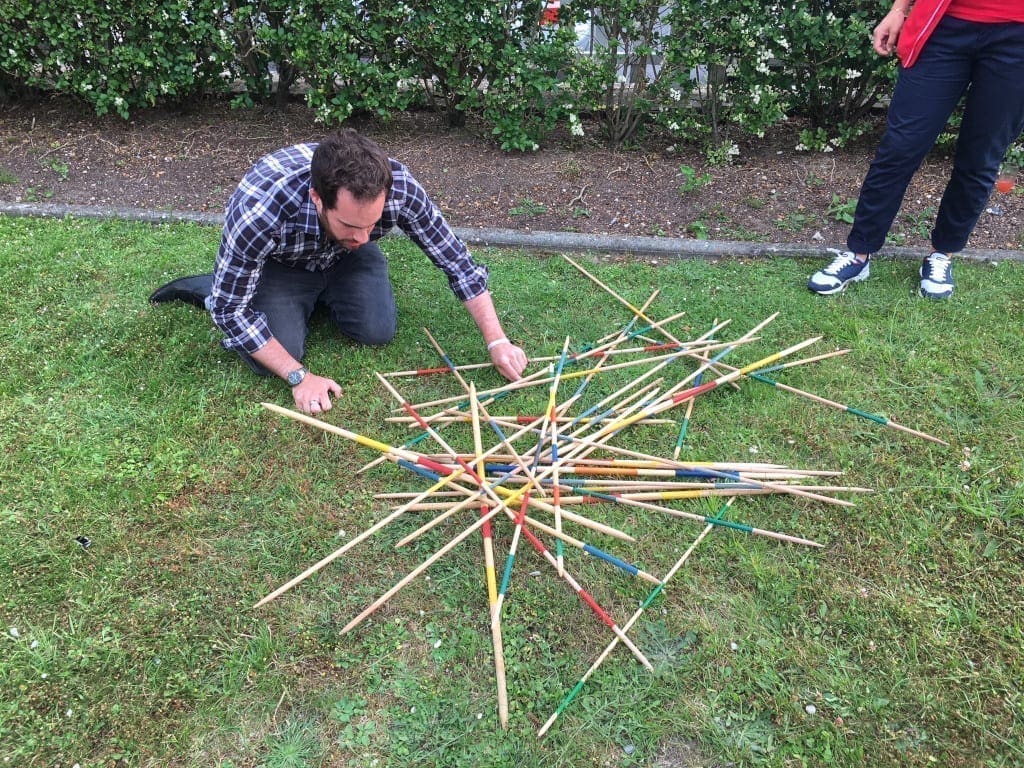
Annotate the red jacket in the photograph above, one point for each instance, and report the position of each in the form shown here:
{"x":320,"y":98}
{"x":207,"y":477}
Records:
{"x":924,"y":17}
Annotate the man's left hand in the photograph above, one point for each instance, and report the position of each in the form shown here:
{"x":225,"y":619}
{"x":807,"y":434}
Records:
{"x":510,"y":360}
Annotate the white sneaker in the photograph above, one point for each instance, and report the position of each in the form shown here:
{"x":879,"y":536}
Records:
{"x":936,"y":277}
{"x":844,"y":269}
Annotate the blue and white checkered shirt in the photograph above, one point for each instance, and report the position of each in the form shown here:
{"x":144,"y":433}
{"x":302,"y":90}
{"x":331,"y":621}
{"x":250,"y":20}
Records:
{"x":271,"y":216}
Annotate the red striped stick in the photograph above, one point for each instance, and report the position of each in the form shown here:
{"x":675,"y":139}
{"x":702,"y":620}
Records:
{"x":632,"y":620}
{"x":587,"y":598}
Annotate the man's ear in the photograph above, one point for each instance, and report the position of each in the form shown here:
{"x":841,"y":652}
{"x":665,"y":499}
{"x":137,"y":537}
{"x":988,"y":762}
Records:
{"x":317,"y":201}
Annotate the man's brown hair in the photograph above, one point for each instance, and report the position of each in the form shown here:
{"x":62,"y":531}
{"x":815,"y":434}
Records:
{"x":348,"y":160}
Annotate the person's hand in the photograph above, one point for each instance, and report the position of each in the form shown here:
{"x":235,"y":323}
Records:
{"x":313,"y":394}
{"x":888,"y":32}
{"x":509,"y":359}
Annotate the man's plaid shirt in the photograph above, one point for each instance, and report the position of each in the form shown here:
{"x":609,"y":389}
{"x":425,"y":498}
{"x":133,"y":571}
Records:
{"x":271,"y":216}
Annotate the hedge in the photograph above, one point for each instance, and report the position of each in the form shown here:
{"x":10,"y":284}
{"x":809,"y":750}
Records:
{"x":704,"y":71}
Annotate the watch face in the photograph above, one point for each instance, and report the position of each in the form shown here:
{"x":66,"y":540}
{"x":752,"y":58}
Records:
{"x":296,"y":376}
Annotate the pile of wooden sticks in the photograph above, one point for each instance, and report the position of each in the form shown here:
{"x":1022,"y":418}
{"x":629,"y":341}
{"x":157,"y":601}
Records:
{"x":542,"y":472}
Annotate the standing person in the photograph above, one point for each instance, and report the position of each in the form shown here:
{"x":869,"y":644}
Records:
{"x":301,"y":230}
{"x":946,"y":48}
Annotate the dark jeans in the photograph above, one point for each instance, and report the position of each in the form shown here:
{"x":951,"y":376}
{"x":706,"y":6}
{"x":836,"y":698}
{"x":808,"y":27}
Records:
{"x":356,"y":292}
{"x":987,"y":62}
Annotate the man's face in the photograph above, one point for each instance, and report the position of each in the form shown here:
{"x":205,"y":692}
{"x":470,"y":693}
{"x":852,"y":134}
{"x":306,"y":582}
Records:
{"x":350,"y":221}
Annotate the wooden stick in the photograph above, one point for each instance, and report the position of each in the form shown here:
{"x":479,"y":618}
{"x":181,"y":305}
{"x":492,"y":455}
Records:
{"x":607,"y":349}
{"x":716,"y":473}
{"x":489,"y":573}
{"x":511,"y":496}
{"x":420,"y":569}
{"x":444,"y":417}
{"x":804,"y":361}
{"x":692,"y":516}
{"x":553,"y":424}
{"x":587,"y":598}
{"x":345,"y":547}
{"x":670,"y":402}
{"x":626,"y":488}
{"x":848,"y":409}
{"x":629,"y":325}
{"x":442,"y":481}
{"x":621,"y":300}
{"x":511,"y":558}
{"x":632,"y":620}
{"x":537,"y":381}
{"x":479,"y":405}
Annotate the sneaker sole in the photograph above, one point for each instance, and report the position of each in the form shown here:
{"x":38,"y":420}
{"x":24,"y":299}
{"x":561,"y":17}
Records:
{"x":934,"y":296}
{"x":839,"y":288}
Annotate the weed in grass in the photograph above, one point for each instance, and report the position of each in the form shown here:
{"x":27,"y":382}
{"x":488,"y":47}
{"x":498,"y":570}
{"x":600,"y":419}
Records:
{"x":698,"y":229}
{"x":734,"y":231}
{"x":59,"y":167}
{"x":918,"y":224}
{"x":294,"y":745}
{"x":815,"y":181}
{"x":692,"y":181}
{"x":528,"y":207}
{"x":7,"y":178}
{"x":795,"y":221}
{"x":33,"y":195}
{"x":664,"y":647}
{"x":571,"y":168}
{"x":842,"y":210}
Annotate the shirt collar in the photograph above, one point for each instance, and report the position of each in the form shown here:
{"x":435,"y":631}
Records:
{"x":307,"y":219}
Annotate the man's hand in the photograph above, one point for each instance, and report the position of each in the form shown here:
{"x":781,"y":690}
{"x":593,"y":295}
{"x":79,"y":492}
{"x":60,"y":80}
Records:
{"x":509,"y":359}
{"x":313,"y":394}
{"x":888,"y":32}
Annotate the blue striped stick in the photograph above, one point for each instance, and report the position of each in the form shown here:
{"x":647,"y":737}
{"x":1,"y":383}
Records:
{"x":632,"y":620}
{"x":589,"y":549}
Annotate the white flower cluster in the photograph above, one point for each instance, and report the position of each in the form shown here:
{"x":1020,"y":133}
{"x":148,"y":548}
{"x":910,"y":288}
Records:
{"x":575,"y":126}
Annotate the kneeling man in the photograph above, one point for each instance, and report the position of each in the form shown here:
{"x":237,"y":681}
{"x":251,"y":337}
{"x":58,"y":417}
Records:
{"x":301,"y":230}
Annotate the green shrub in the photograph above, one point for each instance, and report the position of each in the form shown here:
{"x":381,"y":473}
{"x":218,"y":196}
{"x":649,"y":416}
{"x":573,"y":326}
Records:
{"x":525,"y":98}
{"x":699,"y":68}
{"x":117,"y":55}
{"x":351,"y":60}
{"x":619,"y":78}
{"x":701,"y":71}
{"x":828,"y":69}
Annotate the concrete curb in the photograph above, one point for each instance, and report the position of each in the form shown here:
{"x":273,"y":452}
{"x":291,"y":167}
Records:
{"x":666,"y":247}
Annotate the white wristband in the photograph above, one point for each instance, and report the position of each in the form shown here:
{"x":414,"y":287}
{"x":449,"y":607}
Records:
{"x":492,"y":344}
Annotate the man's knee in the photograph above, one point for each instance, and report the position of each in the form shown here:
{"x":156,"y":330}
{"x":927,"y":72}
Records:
{"x":375,"y":330}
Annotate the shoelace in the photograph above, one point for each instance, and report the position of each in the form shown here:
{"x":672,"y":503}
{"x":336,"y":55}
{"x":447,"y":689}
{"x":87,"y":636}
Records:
{"x":938,"y":268}
{"x":841,"y":262}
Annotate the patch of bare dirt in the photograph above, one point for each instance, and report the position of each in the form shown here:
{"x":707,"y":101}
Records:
{"x":57,"y":151}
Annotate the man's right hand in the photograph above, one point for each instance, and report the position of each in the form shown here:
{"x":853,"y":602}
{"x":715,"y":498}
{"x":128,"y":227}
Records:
{"x":888,"y":32}
{"x":313,"y":394}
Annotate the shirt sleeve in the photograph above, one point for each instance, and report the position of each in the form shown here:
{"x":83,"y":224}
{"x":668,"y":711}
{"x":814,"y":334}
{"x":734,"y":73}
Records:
{"x":250,"y":236}
{"x":420,"y":219}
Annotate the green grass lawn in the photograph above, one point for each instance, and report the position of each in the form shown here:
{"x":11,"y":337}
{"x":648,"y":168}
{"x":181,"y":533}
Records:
{"x":897,"y":643}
